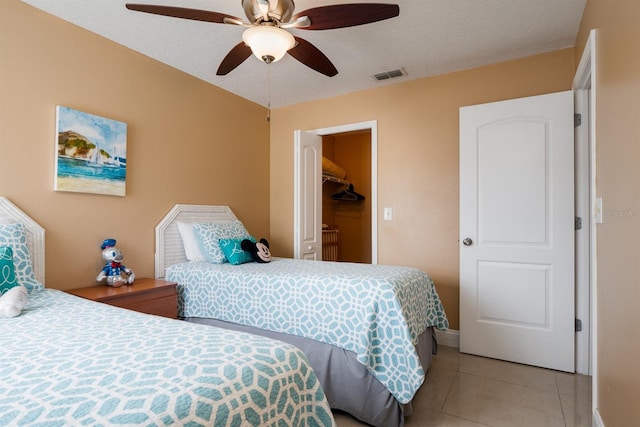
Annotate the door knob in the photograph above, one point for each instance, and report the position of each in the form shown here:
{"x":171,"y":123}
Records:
{"x":467,"y":241}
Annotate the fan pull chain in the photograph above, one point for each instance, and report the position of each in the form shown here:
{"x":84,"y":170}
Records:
{"x":268,"y":92}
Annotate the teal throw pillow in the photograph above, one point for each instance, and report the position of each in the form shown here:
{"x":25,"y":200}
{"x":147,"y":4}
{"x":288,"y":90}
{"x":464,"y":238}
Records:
{"x":234,"y":253}
{"x":208,"y":235}
{"x":14,"y":235}
{"x":7,"y":271}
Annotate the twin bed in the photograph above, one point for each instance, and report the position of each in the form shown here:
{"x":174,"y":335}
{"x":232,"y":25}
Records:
{"x":69,"y":361}
{"x":367,"y":330}
{"x":350,"y":337}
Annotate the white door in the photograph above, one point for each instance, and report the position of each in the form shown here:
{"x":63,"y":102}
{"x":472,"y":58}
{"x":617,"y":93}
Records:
{"x":517,"y":231}
{"x":308,"y":196}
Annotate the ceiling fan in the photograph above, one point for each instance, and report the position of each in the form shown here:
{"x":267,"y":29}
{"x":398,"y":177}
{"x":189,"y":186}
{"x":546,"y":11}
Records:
{"x":266,"y":34}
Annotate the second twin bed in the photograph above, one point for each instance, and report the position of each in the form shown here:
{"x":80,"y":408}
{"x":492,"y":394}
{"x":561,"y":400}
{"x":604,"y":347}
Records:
{"x":367,"y":330}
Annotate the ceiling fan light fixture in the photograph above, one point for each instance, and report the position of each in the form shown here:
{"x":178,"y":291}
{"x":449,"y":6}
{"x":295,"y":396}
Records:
{"x":268,"y":43}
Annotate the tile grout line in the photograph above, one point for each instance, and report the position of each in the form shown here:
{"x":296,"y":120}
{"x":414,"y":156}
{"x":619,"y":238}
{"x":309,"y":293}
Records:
{"x":444,"y":403}
{"x":529,"y":387}
{"x":564,"y":417}
{"x":447,"y":398}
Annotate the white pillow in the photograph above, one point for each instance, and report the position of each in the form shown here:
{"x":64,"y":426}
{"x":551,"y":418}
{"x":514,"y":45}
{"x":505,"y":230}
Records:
{"x":191,"y":246}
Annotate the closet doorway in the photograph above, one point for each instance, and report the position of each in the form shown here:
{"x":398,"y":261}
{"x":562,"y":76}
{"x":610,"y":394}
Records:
{"x":346,"y":197}
{"x":355,"y":146}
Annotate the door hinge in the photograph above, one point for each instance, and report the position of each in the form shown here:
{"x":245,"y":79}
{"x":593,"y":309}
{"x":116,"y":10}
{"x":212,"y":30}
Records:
{"x":578,"y":325}
{"x":578,"y":223}
{"x":577,"y":120}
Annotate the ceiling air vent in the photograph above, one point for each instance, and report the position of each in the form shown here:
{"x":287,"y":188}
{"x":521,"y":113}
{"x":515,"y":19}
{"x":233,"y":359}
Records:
{"x":390,"y":74}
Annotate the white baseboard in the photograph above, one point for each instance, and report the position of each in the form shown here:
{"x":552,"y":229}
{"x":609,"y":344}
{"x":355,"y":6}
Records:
{"x":450,"y":338}
{"x":597,"y":419}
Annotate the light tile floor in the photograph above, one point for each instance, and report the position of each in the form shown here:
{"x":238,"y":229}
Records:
{"x":466,"y":391}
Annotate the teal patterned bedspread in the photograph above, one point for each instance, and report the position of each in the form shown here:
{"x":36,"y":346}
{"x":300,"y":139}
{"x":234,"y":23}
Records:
{"x":66,"y":361}
{"x":376,"y":311}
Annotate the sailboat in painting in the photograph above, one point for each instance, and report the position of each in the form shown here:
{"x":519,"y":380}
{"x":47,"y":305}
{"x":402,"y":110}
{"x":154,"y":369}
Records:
{"x":96,"y":157}
{"x":119,"y":161}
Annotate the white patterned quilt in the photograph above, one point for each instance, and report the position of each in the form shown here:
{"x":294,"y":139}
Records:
{"x":376,"y":311}
{"x":66,"y":361}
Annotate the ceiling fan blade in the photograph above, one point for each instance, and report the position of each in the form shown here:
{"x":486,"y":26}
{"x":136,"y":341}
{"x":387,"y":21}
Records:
{"x":182,"y":12}
{"x":348,"y":15}
{"x":235,"y":57}
{"x":312,"y":57}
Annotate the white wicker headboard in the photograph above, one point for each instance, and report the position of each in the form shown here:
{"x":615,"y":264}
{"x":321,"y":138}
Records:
{"x":10,"y":213}
{"x":169,"y":247}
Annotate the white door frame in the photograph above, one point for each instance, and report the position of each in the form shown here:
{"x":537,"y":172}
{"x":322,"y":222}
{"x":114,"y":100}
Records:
{"x":584,"y":83}
{"x":372,"y":126}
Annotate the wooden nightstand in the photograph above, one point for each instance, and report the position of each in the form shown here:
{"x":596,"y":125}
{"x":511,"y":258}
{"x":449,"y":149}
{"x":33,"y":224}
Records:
{"x":146,"y":295}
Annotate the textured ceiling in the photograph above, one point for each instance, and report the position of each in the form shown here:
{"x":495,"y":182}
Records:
{"x":429,"y":37}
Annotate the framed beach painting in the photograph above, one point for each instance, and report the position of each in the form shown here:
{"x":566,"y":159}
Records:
{"x":91,"y":153}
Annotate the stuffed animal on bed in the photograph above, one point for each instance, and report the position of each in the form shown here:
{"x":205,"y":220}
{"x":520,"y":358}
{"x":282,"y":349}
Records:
{"x":259,"y":250}
{"x":13,"y":301}
{"x":113,"y":271}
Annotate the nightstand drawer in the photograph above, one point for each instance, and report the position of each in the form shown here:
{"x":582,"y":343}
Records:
{"x":165,"y":306}
{"x":149,"y":296}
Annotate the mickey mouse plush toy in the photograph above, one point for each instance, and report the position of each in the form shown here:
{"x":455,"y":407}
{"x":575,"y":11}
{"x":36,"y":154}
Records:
{"x":113,"y":269}
{"x":259,"y":251}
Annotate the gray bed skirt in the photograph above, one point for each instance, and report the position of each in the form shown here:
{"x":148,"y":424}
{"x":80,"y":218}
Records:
{"x":348,"y":385}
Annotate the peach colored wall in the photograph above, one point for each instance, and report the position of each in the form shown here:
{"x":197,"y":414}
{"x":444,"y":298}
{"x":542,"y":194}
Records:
{"x":188,"y":142}
{"x":617,"y":182}
{"x":417,"y":157}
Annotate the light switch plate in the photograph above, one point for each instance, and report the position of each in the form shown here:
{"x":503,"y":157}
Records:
{"x":597,"y":214}
{"x":388,"y":214}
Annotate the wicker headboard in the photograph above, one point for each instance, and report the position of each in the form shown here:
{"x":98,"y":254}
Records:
{"x":169,"y":247}
{"x":10,"y":213}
